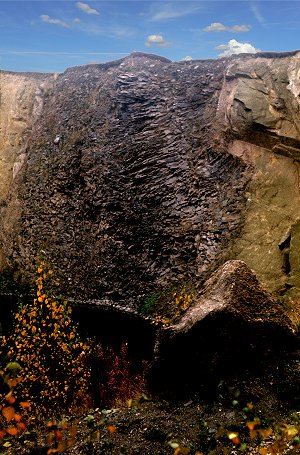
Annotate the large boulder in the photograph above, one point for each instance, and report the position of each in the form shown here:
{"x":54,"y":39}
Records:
{"x":233,"y":325}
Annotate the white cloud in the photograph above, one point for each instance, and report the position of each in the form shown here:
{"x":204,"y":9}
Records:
{"x":188,"y":58}
{"x":240,"y":28}
{"x":49,"y":20}
{"x":219,"y":27}
{"x":76,"y":21}
{"x":86,"y":8}
{"x":234,"y":47}
{"x":170,"y":11}
{"x":156,"y":40}
{"x":257,"y":13}
{"x":215,"y":27}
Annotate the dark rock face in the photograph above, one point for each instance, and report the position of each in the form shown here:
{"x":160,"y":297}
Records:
{"x":234,"y":324}
{"x":141,"y":172}
{"x":122,"y":187}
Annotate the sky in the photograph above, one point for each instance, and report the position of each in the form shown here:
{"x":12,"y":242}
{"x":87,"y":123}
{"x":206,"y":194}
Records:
{"x":50,"y":36}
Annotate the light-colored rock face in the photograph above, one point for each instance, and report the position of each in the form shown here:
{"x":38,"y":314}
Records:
{"x":262,"y":95}
{"x":139,"y":170}
{"x":273,"y":206}
{"x":21,"y":102}
{"x":259,"y":108}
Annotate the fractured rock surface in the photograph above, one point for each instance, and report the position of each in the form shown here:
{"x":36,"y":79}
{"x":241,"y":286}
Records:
{"x":122,"y":187}
{"x":143,"y":172}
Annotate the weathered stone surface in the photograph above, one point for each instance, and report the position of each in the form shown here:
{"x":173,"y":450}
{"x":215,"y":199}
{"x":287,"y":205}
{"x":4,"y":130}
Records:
{"x":259,"y":114}
{"x":132,"y":195}
{"x":142,"y":172}
{"x":260,"y":95}
{"x":21,"y":101}
{"x":233,"y":324}
{"x":272,"y":207}
{"x":21,"y":98}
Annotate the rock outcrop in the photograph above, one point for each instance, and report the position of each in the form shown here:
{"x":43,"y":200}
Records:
{"x":259,"y":110}
{"x":261,"y":95}
{"x":233,"y":325}
{"x":21,"y":103}
{"x":142,"y":172}
{"x":122,"y":187}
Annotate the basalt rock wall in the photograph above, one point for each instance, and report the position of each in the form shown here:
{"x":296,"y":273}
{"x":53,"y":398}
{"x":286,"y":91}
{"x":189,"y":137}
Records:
{"x":142,"y":172}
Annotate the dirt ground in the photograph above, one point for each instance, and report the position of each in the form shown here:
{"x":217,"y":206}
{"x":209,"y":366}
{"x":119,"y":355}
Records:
{"x":250,"y":414}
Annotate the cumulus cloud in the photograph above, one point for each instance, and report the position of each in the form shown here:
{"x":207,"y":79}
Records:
{"x":219,"y":27}
{"x":156,"y":40}
{"x":49,"y":20}
{"x":234,"y":47}
{"x":86,"y":8}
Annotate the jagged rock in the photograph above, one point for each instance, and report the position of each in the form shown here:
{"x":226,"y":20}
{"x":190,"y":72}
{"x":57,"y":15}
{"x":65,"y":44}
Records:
{"x":145,"y":161}
{"x":234,"y":324}
{"x":124,"y":186}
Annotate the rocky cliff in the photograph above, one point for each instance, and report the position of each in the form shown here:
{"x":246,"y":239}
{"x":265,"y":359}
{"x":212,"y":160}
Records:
{"x":259,"y":109}
{"x":142,"y":172}
{"x":21,"y":102}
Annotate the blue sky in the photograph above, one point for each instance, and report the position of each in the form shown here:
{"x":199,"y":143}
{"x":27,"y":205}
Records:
{"x":50,"y":36}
